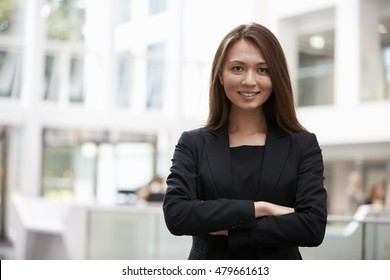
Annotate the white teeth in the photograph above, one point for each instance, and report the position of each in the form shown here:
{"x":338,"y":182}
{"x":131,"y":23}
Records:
{"x":248,"y":94}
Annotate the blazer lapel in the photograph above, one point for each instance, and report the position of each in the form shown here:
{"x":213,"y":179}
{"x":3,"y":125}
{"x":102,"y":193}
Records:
{"x":218,"y":154}
{"x":276,"y":151}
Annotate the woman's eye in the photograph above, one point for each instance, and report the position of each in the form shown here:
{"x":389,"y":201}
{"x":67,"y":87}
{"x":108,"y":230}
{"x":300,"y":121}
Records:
{"x":263,"y":70}
{"x":236,"y":68}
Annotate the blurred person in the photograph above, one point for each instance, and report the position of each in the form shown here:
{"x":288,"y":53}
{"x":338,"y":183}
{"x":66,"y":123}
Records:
{"x":154,"y":191}
{"x":249,"y":184}
{"x":355,"y":194}
{"x":376,"y":195}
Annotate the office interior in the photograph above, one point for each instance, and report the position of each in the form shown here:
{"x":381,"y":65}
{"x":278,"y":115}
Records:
{"x":94,"y":95}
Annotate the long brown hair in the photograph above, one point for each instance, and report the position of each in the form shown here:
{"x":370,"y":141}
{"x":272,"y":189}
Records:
{"x":279,"y":109}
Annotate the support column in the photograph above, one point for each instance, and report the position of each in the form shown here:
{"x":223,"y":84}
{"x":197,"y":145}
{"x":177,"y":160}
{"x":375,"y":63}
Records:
{"x":347,"y":49}
{"x":372,"y":72}
{"x":31,"y":94}
{"x":99,"y":57}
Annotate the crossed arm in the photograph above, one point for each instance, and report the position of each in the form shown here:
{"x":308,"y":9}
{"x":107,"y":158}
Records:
{"x":263,"y":208}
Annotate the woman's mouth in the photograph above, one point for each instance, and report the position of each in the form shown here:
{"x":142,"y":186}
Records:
{"x":248,"y":94}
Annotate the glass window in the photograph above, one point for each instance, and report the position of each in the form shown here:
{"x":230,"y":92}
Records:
{"x":155,"y":75}
{"x":11,"y":17}
{"x":384,"y":30}
{"x":123,"y":80}
{"x":123,"y":168}
{"x":123,"y":11}
{"x":86,"y":165}
{"x":156,"y":6}
{"x":63,"y":69}
{"x":309,"y":44}
{"x":375,"y":52}
{"x":11,"y":27}
{"x":57,"y":172}
{"x":76,"y":91}
{"x":57,"y":164}
{"x":10,"y":74}
{"x":316,"y":68}
{"x":65,"y":19}
{"x":386,"y":66}
{"x":51,"y":78}
{"x":72,"y":69}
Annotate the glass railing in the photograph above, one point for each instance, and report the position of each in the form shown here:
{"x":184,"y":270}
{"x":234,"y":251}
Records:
{"x":364,"y":236}
{"x":135,"y":232}
{"x":143,"y":235}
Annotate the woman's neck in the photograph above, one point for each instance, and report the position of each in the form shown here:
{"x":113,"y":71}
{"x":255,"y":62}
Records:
{"x":247,"y":128}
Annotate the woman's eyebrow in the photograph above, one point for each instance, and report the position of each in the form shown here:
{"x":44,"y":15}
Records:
{"x":242,"y":62}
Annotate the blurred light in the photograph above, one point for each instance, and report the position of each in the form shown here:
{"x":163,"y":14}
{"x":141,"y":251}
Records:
{"x":67,"y":174}
{"x":89,"y":150}
{"x":45,"y":10}
{"x":317,"y":42}
{"x":80,"y":4}
{"x":382,"y":29}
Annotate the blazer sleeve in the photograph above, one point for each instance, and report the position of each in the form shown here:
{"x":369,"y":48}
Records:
{"x":306,"y":226}
{"x":184,"y":212}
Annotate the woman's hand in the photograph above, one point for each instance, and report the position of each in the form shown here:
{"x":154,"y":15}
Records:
{"x":263,"y":208}
{"x":220,"y":232}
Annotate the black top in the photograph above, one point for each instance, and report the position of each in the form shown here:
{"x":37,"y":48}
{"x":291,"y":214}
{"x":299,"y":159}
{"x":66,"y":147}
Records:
{"x":246,"y":164}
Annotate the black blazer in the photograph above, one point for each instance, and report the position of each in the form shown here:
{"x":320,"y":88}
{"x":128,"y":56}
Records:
{"x":199,"y":197}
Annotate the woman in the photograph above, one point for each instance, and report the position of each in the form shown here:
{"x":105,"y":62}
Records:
{"x":248,"y":185}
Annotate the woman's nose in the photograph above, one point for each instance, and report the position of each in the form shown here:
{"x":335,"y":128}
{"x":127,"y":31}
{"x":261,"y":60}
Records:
{"x":249,"y":79}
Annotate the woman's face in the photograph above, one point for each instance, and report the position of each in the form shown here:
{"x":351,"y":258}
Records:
{"x":245,"y":76}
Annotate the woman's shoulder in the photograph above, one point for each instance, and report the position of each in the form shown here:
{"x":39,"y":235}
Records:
{"x":303,"y":134}
{"x":305,"y":138}
{"x":193,"y":135}
{"x":195,"y":132}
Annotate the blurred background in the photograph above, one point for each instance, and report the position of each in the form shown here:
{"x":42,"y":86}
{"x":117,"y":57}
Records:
{"x":95,"y":93}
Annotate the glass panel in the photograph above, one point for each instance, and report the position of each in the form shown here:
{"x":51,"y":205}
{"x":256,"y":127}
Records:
{"x":65,"y":19}
{"x":137,"y":157}
{"x":123,"y":11}
{"x":386,"y":66}
{"x":11,"y":17}
{"x":58,"y":171}
{"x":155,"y":75}
{"x":123,"y":81}
{"x":85,"y":162}
{"x":384,"y":29}
{"x":377,"y":235}
{"x":10,"y":74}
{"x":85,"y":165}
{"x":121,"y":235}
{"x":51,"y":78}
{"x":122,"y":169}
{"x":316,"y":68}
{"x":375,"y":54}
{"x":138,"y":233}
{"x":76,"y":93}
{"x":156,"y":6}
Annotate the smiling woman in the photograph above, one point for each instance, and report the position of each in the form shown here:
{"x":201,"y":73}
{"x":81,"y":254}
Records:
{"x":246,"y":81}
{"x":248,"y":185}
